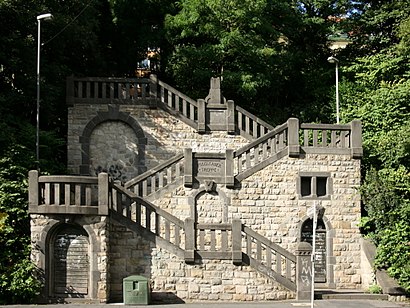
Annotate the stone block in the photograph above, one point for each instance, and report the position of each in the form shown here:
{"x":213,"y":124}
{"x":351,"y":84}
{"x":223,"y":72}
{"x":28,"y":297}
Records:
{"x":193,"y":288}
{"x":241,"y":289}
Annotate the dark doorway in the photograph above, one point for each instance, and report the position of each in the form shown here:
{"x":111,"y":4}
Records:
{"x":307,"y":236}
{"x":70,"y":260}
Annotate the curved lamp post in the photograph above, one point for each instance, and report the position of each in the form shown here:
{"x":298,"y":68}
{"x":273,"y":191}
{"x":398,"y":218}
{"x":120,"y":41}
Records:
{"x":39,"y":19}
{"x":336,"y":62}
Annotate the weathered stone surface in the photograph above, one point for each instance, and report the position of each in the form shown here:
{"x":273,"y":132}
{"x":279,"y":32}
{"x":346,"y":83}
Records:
{"x":268,"y":202}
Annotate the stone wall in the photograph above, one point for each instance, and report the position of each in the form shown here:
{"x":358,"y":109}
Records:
{"x":172,"y":280}
{"x":270,"y":202}
{"x":165,"y":136}
{"x":44,"y":229}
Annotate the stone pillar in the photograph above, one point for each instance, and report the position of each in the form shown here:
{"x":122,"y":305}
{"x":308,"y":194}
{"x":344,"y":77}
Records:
{"x":33,"y":191}
{"x":153,"y":86}
{"x":303,"y":271}
{"x":103,"y":193}
{"x":103,"y":270}
{"x":189,"y":240}
{"x":201,"y":116}
{"x":356,"y":139}
{"x":229,"y":166}
{"x":230,"y":118}
{"x":188,"y":175}
{"x":237,"y":242}
{"x":293,"y":138}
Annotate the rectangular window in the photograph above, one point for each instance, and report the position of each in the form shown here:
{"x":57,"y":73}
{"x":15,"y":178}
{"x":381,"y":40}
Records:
{"x":321,"y":186}
{"x":314,"y":185}
{"x":305,"y":186}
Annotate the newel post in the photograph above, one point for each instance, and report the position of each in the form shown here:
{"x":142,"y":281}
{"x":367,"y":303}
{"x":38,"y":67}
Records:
{"x":237,"y":242}
{"x":33,"y":190}
{"x":201,"y":116}
{"x":293,"y":138}
{"x":230,"y":118}
{"x":189,"y":240}
{"x":70,"y":90}
{"x":103,"y":193}
{"x":229,"y":167}
{"x":356,"y":139}
{"x":303,"y":271}
{"x":153,"y":88}
{"x":188,"y":175}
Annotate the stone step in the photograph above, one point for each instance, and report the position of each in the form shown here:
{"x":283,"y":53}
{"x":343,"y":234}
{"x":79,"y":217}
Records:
{"x":78,"y":301}
{"x":348,"y":294}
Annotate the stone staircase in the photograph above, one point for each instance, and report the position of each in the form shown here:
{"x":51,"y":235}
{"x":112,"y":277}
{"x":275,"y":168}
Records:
{"x":192,"y":241}
{"x":185,"y":238}
{"x":134,"y":205}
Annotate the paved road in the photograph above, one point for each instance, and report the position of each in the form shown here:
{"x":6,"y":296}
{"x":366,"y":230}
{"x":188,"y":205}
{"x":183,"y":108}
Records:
{"x":275,"y":304}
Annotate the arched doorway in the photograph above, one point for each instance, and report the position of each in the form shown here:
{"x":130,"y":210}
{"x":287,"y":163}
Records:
{"x":70,"y":262}
{"x":321,"y":249}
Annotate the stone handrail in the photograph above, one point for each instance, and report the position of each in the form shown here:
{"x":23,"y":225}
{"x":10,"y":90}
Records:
{"x":63,"y":194}
{"x":270,"y":259}
{"x":144,"y":217}
{"x":250,"y":126}
{"x":293,"y":139}
{"x":158,"y":177}
{"x":151,"y":92}
{"x":212,"y":241}
{"x":99,"y":90}
{"x":259,"y":153}
{"x":177,"y":103}
{"x":332,"y":138}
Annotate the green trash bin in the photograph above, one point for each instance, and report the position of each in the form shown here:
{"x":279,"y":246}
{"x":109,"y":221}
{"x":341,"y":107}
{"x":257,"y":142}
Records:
{"x":136,"y":290}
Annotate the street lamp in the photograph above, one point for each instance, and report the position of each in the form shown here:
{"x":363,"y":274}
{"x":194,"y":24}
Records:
{"x":336,"y":62}
{"x":39,"y":18}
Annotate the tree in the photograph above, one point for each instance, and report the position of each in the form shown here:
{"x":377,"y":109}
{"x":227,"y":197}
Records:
{"x":270,"y":54}
{"x":377,"y":91}
{"x":374,"y":25}
{"x":138,"y":27}
{"x":74,"y":50}
{"x":18,"y":283}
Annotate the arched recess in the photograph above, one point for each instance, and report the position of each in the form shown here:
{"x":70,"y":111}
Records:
{"x":217,"y":209}
{"x":325,"y":261}
{"x":69,"y":262}
{"x":78,"y":247}
{"x":113,"y":114}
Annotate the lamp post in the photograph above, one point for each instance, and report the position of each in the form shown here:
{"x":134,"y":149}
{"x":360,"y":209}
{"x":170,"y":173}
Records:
{"x":39,"y":19}
{"x":336,"y":62}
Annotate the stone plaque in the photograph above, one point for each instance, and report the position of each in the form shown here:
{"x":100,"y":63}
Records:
{"x":201,"y":168}
{"x":209,"y":169}
{"x":320,"y":260}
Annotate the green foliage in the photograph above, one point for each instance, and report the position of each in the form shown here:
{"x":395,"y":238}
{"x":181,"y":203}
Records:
{"x":385,"y":194}
{"x":376,"y":90}
{"x":377,"y":26}
{"x":18,"y":282}
{"x":270,"y":54}
{"x":375,"y":289}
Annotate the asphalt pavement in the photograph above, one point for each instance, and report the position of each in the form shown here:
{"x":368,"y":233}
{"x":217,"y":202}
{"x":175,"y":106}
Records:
{"x":272,"y":304}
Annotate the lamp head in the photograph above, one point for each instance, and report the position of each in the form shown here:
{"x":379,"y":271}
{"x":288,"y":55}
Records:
{"x":44,"y":16}
{"x":332,"y":60}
